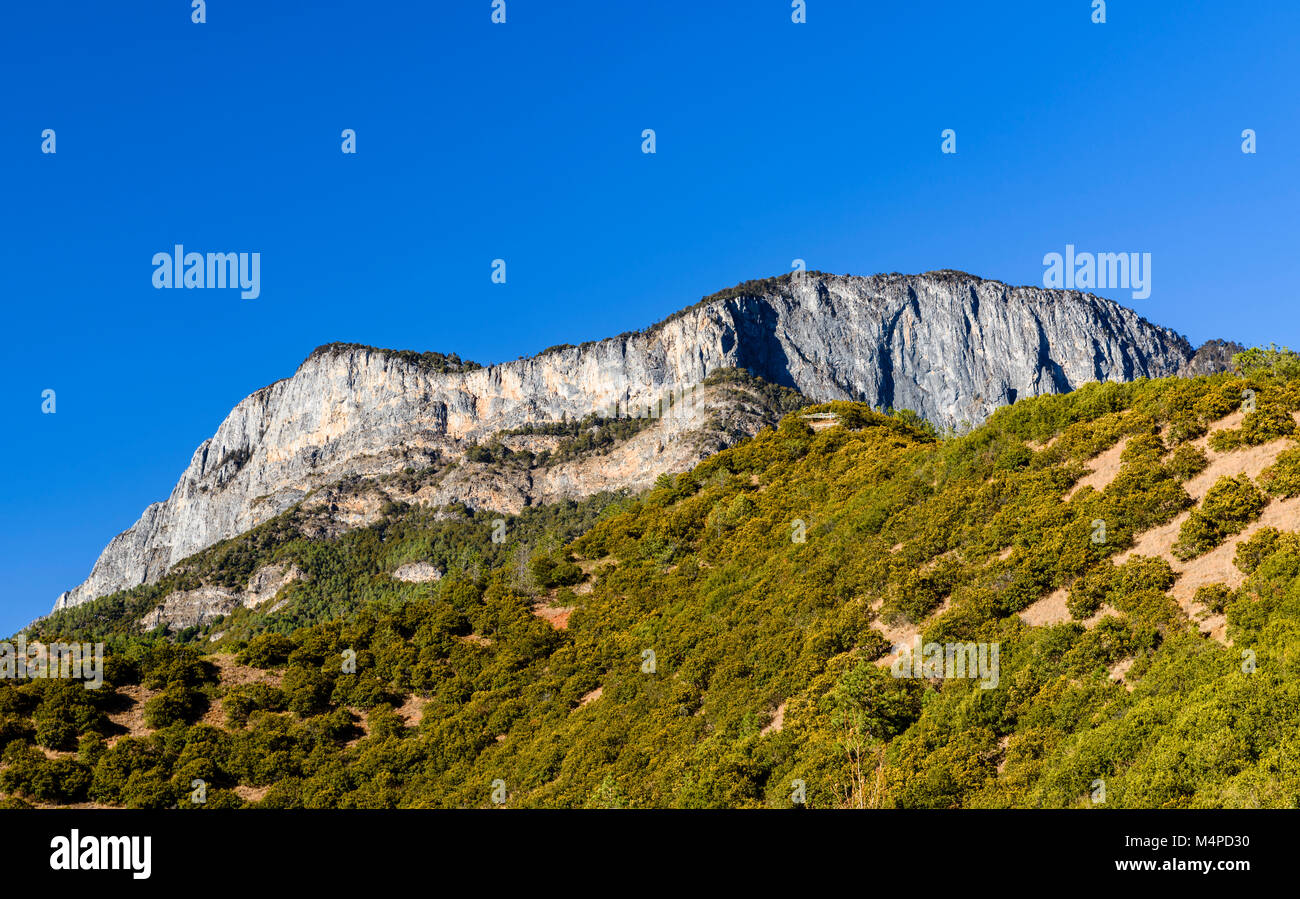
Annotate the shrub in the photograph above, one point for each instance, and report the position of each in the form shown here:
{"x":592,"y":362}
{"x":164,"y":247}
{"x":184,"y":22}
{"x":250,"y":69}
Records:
{"x":241,"y":701}
{"x":30,"y":773}
{"x":61,"y":780}
{"x":13,"y":729}
{"x":1126,"y":588}
{"x":1089,"y":592}
{"x":1269,"y":422}
{"x":307,"y":691}
{"x":1252,"y":552}
{"x":175,"y":704}
{"x":1187,"y":462}
{"x":55,"y":732}
{"x":1224,"y":441}
{"x":1142,"y":448}
{"x":1151,"y":607}
{"x":165,"y":664}
{"x":1214,"y":597}
{"x":66,"y":711}
{"x":148,"y":789}
{"x":1282,"y":478}
{"x":266,"y":651}
{"x":1144,"y":573}
{"x":1229,"y":506}
{"x":285,"y":793}
{"x":550,"y":573}
{"x":1185,"y":426}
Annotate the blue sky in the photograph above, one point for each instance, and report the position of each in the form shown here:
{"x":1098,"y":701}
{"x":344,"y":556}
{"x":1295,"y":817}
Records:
{"x":522,"y":141}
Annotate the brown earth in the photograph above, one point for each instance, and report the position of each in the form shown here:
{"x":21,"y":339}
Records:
{"x":777,"y":723}
{"x":1102,"y":469}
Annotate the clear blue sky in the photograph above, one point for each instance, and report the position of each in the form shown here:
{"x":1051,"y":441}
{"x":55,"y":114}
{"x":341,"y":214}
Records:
{"x":523,"y":141}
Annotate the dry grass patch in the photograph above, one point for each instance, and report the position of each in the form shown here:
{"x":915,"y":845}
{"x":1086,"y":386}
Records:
{"x":904,"y":633}
{"x":778,"y":721}
{"x":591,"y":697}
{"x":1052,"y":609}
{"x":132,"y":717}
{"x":252,"y":794}
{"x":412,"y":710}
{"x":1102,"y":469}
{"x":1120,"y":669}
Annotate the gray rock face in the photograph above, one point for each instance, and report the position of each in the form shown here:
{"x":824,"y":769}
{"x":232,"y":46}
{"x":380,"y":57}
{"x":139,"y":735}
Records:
{"x":417,"y":573}
{"x":951,"y":346}
{"x":189,"y":608}
{"x":1211,"y":357}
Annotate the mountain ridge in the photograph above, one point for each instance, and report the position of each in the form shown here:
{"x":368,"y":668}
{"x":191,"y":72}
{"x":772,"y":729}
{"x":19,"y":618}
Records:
{"x":350,"y":409}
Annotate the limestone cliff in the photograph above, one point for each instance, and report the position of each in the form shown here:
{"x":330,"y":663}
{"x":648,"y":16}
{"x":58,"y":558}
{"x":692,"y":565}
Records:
{"x":948,"y":345}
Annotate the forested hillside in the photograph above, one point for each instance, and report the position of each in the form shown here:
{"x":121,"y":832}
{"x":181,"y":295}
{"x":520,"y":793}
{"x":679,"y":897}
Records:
{"x":730,"y":637}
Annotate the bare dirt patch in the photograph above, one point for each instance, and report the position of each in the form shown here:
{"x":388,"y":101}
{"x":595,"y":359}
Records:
{"x":412,"y":710}
{"x":233,"y":674}
{"x":1249,"y":460}
{"x":132,"y":717}
{"x":1102,"y":469}
{"x":251,"y":794}
{"x":777,"y":723}
{"x":1002,"y":752}
{"x":1120,"y":669}
{"x":820,"y":421}
{"x":556,"y":616}
{"x":1052,"y":609}
{"x":362,"y":723}
{"x":589,"y":566}
{"x":591,"y":697}
{"x":903,"y":634}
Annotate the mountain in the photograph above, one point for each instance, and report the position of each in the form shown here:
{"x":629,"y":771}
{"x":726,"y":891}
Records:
{"x":1090,"y":599}
{"x":948,"y":345}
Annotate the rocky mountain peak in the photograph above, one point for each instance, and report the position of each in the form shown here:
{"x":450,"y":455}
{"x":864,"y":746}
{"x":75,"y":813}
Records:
{"x":949,"y":345}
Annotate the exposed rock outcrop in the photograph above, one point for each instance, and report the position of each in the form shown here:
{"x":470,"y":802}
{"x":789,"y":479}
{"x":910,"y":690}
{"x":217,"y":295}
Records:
{"x":191,"y":608}
{"x":417,"y":573}
{"x":948,"y":345}
{"x":1211,"y":357}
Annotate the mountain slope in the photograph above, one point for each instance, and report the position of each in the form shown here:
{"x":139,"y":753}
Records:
{"x":948,"y":345}
{"x":717,"y":641}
